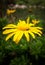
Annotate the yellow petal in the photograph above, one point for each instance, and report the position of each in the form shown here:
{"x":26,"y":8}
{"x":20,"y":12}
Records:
{"x":9,"y":31}
{"x":19,"y":37}
{"x":39,"y":31}
{"x":9,"y":36}
{"x":16,"y":37}
{"x":36,"y":32}
{"x":9,"y":26}
{"x":21,"y":23}
{"x":28,"y":19}
{"x":26,"y":35}
{"x":35,"y":29}
{"x":31,"y":24}
{"x":39,"y":28}
{"x":32,"y":34}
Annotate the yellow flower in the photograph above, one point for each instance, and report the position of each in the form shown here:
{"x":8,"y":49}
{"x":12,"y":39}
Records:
{"x":22,"y":28}
{"x":10,"y":11}
{"x":35,"y":21}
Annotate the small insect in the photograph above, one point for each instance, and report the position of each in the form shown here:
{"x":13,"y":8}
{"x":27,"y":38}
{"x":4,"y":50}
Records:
{"x":10,"y":11}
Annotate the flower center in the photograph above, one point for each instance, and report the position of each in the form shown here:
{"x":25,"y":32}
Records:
{"x":23,"y":28}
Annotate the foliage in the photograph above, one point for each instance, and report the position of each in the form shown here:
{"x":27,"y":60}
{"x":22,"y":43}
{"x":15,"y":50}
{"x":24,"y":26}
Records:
{"x":27,"y":2}
{"x":20,"y":60}
{"x":31,"y":2}
{"x":22,"y":52}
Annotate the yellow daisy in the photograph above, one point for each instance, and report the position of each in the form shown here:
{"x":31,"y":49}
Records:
{"x":35,"y":21}
{"x":10,"y":11}
{"x":22,"y":28}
